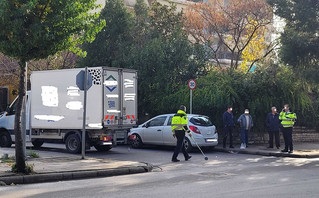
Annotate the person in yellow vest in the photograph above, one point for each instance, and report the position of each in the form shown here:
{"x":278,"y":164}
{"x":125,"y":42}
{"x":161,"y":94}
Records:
{"x":288,"y":120}
{"x":179,"y":128}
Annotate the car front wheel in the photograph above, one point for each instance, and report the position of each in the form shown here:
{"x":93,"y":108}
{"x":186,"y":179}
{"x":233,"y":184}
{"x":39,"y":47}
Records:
{"x":137,"y":142}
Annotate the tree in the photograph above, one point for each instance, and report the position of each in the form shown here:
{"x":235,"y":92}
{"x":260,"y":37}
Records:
{"x":112,"y":44}
{"x":152,"y":41}
{"x":227,"y":29}
{"x":256,"y":50}
{"x":167,"y":59}
{"x":36,"y":29}
{"x":141,"y":25}
{"x":300,"y":39}
{"x":165,"y":20}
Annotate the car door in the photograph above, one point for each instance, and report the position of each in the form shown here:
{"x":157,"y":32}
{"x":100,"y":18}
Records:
{"x":153,"y":131}
{"x":168,"y":138}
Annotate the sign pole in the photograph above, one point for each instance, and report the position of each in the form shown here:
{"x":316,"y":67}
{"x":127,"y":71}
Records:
{"x":84,"y":111}
{"x":191,"y":86}
{"x":191,"y":102}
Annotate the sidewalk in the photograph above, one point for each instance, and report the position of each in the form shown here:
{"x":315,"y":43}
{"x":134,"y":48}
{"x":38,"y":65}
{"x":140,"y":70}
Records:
{"x":301,"y":150}
{"x":59,"y":168}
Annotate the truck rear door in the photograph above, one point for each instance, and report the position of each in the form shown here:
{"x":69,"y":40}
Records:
{"x":129,"y":98}
{"x":120,"y":103}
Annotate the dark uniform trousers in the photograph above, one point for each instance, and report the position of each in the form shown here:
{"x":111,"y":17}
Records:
{"x":287,"y":133}
{"x":180,"y":136}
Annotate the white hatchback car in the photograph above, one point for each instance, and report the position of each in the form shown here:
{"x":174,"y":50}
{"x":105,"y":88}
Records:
{"x":157,"y":131}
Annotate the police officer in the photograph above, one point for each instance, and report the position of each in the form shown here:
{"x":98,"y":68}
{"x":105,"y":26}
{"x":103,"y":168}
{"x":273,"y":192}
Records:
{"x":288,"y":120}
{"x":179,"y":128}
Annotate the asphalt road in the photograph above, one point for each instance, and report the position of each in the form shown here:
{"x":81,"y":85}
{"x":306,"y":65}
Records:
{"x":223,"y":175}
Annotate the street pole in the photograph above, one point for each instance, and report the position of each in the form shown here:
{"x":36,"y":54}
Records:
{"x":191,"y":102}
{"x":84,"y":111}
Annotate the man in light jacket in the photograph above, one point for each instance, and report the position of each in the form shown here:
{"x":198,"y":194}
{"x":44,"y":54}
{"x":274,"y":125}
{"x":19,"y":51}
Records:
{"x":246,"y":122}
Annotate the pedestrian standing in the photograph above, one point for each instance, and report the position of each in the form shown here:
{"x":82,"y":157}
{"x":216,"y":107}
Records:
{"x":229,"y":124}
{"x":179,"y":128}
{"x":246,"y":122}
{"x":288,"y":120}
{"x":273,"y":124}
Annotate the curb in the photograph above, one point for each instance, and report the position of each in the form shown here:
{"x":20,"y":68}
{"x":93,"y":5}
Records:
{"x":73,"y":175}
{"x":265,"y":153}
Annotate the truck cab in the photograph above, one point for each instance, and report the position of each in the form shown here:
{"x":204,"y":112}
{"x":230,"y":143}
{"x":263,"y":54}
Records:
{"x":7,"y":123}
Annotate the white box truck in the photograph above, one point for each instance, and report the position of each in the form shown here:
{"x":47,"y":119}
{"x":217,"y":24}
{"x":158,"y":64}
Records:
{"x":54,"y":108}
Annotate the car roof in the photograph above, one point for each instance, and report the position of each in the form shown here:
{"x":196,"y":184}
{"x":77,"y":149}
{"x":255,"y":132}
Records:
{"x":172,"y":114}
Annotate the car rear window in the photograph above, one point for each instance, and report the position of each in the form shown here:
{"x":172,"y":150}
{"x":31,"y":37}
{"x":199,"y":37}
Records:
{"x":201,"y":121}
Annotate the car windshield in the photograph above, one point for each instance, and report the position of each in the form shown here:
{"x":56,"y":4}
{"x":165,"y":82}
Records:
{"x":201,"y":121}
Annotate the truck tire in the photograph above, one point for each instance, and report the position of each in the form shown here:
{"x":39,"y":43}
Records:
{"x":5,"y":139}
{"x":137,"y":143}
{"x":37,"y":143}
{"x":102,"y":148}
{"x":188,"y":145}
{"x":73,"y":143}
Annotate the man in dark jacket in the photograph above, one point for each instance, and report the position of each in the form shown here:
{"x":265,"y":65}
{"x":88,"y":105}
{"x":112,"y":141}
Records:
{"x":229,"y":124}
{"x":273,"y":124}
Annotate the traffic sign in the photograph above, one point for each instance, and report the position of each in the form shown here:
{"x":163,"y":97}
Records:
{"x":192,"y":84}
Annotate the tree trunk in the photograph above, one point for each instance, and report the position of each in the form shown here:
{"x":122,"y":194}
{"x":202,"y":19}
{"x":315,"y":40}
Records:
{"x":20,"y":160}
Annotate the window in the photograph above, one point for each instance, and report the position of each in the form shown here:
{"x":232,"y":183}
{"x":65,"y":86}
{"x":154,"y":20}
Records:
{"x":201,"y":121}
{"x":3,"y":99}
{"x":157,"y":121}
{"x":169,"y":123}
{"x":13,"y":106}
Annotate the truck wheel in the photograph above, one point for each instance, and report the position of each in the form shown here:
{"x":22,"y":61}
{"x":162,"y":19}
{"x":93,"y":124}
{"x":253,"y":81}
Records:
{"x":137,"y":142}
{"x":102,"y":148}
{"x":5,"y":139}
{"x":73,"y":143}
{"x":37,"y":143}
{"x":188,"y":145}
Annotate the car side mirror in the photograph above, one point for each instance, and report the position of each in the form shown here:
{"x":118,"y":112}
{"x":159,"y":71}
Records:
{"x":8,"y":110}
{"x":147,"y":125}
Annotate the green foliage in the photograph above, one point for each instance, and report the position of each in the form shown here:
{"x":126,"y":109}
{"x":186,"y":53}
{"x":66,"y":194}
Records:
{"x":270,"y":86}
{"x":7,"y":159}
{"x":141,"y":25}
{"x":29,"y":168}
{"x":166,"y":60}
{"x":165,"y":20}
{"x":33,"y":154}
{"x":300,"y":39}
{"x":35,"y":29}
{"x":151,"y":41}
{"x":112,"y":44}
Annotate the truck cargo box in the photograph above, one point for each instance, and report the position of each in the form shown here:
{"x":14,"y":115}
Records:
{"x":57,"y":98}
